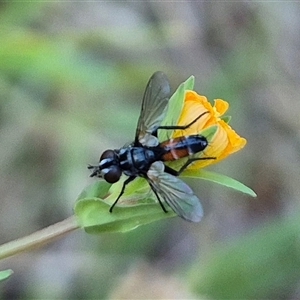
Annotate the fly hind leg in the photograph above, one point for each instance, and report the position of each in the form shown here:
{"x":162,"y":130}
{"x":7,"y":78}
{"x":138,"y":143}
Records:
{"x":188,"y":162}
{"x":156,"y":194}
{"x":191,"y":160}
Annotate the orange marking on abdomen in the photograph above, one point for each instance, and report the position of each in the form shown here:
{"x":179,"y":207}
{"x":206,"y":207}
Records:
{"x":173,"y":153}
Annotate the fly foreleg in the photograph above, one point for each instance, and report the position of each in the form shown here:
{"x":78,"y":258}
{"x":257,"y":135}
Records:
{"x":129,"y":179}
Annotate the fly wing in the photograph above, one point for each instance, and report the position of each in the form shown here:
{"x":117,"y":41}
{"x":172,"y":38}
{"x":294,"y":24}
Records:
{"x":177,"y":194}
{"x":154,"y":109}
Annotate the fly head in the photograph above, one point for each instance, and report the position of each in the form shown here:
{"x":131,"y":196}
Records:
{"x":108,"y":168}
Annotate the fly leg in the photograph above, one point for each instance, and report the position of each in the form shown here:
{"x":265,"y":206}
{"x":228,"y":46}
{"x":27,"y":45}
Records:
{"x":156,"y":194}
{"x":185,"y":126}
{"x":96,"y":170}
{"x":189,"y":161}
{"x":129,"y":179}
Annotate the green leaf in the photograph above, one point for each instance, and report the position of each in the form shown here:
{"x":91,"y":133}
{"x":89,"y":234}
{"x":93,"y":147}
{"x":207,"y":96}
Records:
{"x":98,"y":189}
{"x":226,"y":119}
{"x":5,"y":274}
{"x":175,"y":107}
{"x":220,"y":179}
{"x":136,"y":207}
{"x":139,"y":186}
{"x":209,"y":132}
{"x":93,"y":215}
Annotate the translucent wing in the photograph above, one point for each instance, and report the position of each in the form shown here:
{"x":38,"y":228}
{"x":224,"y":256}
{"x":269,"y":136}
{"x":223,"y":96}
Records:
{"x":177,"y":194}
{"x":154,"y":109}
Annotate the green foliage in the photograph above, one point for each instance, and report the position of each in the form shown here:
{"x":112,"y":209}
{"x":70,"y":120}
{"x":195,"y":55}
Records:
{"x":68,"y":83}
{"x":209,"y":133}
{"x":5,"y":274}
{"x":264,"y":264}
{"x":93,"y":214}
{"x":175,"y":106}
{"x":226,"y":119}
{"x":220,"y":179}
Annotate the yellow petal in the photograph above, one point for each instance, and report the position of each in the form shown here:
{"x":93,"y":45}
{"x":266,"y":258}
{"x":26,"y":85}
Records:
{"x":215,"y":149}
{"x":225,"y":142}
{"x":194,"y":106}
{"x":235,"y":142}
{"x":221,"y":106}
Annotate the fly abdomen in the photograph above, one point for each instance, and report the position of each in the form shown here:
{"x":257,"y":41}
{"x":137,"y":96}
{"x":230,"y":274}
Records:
{"x":183,"y":146}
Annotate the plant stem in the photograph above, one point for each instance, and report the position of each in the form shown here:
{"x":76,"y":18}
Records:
{"x":38,"y":238}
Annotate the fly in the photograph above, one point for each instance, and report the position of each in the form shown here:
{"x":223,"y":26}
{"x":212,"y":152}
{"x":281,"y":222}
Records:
{"x":145,"y":157}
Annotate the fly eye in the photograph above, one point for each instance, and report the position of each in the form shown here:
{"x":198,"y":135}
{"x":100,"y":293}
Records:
{"x":113,"y":175}
{"x":108,"y":154}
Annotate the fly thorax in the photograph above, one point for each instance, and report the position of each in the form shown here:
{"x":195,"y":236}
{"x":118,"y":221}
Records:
{"x":142,"y":158}
{"x":125,"y":158}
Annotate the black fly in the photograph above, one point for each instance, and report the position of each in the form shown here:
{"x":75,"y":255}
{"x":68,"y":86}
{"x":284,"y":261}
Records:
{"x":145,"y":157}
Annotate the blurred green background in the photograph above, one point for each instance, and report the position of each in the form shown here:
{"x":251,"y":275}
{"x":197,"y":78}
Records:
{"x":72,"y":76}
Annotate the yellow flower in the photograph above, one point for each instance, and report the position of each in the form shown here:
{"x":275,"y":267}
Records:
{"x":225,"y":142}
